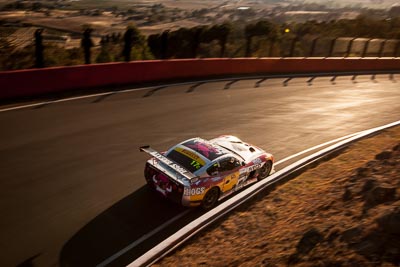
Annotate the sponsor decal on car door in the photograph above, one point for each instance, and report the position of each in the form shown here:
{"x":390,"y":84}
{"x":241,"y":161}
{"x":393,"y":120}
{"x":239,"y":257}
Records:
{"x":230,"y":181}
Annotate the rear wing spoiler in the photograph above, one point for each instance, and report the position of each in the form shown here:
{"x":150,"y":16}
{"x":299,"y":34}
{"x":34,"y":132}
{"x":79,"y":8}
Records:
{"x":176,"y":167}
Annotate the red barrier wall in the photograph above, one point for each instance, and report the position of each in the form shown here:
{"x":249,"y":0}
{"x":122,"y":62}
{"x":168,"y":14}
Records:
{"x":39,"y":81}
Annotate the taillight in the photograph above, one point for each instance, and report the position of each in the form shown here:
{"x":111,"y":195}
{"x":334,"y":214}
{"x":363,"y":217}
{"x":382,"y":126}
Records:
{"x":148,"y":171}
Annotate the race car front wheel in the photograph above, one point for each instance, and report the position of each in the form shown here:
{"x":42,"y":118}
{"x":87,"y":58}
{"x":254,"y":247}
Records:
{"x":265,"y":170}
{"x":210,"y":199}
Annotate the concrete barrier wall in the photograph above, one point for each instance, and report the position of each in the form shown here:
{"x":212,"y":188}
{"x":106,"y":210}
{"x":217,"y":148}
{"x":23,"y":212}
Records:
{"x":14,"y":84}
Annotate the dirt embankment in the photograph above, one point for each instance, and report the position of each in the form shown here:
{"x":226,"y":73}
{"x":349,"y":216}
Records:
{"x":344,"y":212}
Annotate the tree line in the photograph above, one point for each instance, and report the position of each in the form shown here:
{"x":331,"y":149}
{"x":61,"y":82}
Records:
{"x":238,"y":39}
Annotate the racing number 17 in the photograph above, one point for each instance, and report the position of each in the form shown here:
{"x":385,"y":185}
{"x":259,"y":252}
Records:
{"x":195,"y":164}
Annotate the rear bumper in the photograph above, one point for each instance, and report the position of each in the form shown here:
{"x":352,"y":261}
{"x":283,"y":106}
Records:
{"x":163,"y":184}
{"x":169,"y":188}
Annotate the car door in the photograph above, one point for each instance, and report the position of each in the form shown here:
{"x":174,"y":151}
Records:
{"x":229,"y":171}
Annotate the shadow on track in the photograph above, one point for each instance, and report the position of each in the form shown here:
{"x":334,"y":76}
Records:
{"x":103,"y":97}
{"x":153,"y":91}
{"x":194,"y":86}
{"x":120,"y":226}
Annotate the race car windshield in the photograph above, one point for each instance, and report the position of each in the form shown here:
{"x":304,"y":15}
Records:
{"x":206,"y":149}
{"x":188,"y":163}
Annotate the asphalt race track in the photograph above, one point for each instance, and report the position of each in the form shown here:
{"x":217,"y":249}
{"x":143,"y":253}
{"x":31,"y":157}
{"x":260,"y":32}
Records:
{"x":72,"y":186}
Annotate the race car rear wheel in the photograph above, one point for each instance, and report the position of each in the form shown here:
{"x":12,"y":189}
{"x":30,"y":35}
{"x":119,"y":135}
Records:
{"x":210,"y":199}
{"x":265,"y":170}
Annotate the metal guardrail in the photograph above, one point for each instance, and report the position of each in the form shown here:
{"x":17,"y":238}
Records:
{"x":208,"y":218}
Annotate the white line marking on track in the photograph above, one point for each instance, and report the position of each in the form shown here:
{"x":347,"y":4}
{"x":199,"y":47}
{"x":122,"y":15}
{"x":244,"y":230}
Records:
{"x":316,"y":147}
{"x":140,"y":240}
{"x":65,"y":100}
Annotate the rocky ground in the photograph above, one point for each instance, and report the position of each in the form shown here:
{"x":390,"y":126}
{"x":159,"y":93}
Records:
{"x":344,"y":212}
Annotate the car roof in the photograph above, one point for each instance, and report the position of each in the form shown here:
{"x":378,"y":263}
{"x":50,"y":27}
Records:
{"x":204,"y":148}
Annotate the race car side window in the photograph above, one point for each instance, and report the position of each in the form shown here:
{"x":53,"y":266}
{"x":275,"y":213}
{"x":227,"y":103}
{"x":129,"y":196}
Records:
{"x":213,"y":170}
{"x":228,"y":164}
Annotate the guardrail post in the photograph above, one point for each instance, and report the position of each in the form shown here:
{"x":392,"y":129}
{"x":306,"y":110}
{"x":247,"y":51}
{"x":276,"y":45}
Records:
{"x":333,"y":43}
{"x":365,"y":48}
{"x":382,"y":48}
{"x":313,"y":45}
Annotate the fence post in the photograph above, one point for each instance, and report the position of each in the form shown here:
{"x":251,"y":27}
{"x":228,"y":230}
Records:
{"x":248,"y":46}
{"x":396,"y":50}
{"x":87,"y":43}
{"x":293,"y":46}
{"x":164,"y":44}
{"x":349,"y":46}
{"x":39,"y":62}
{"x":382,"y":48}
{"x":196,"y":42}
{"x":271,"y":47}
{"x":314,"y":43}
{"x":365,"y":48}
{"x":333,"y":43}
{"x":128,"y":44}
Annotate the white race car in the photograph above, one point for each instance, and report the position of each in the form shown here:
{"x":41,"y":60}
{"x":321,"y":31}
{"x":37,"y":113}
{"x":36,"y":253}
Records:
{"x":201,"y":172}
